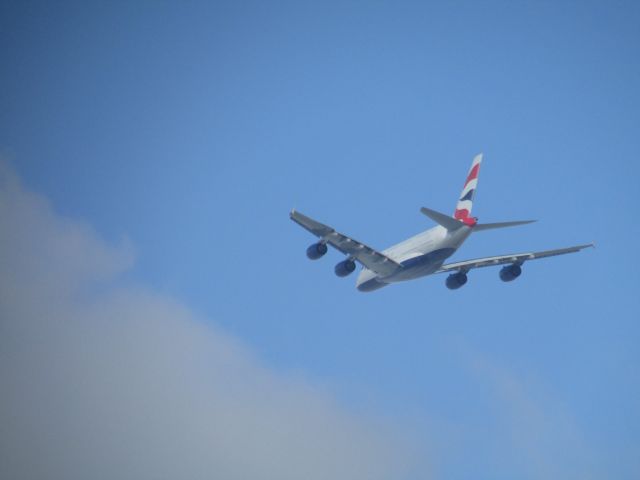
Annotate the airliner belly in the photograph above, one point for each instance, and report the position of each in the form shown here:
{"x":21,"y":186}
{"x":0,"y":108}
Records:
{"x":421,"y":255}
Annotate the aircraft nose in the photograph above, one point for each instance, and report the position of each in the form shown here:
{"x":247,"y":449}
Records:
{"x":368,"y":281}
{"x":370,"y":285}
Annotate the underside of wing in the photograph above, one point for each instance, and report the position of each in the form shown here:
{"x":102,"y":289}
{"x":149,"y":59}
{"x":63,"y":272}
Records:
{"x":367,"y":256}
{"x":516,"y":258}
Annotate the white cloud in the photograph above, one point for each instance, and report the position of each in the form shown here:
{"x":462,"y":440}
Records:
{"x":101,"y":379}
{"x":534,"y":433}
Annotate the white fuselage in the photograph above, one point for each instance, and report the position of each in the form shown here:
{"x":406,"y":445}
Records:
{"x":420,"y":255}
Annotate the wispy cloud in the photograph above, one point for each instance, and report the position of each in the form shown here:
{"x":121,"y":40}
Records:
{"x":533,"y":432}
{"x":102,"y":379}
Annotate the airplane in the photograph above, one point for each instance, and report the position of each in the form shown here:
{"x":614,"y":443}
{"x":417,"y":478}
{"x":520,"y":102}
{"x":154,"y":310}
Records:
{"x":425,"y":253}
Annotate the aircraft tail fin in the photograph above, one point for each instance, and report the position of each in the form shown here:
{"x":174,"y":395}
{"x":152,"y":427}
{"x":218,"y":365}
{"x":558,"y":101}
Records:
{"x":465,"y":202}
{"x":462,"y":215}
{"x":446,"y":221}
{"x":489,"y":226}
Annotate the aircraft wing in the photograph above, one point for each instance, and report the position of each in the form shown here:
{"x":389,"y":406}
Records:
{"x":518,"y":258}
{"x":367,"y":256}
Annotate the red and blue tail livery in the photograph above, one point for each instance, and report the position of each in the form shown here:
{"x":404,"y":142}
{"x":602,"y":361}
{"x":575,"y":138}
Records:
{"x":465,"y":202}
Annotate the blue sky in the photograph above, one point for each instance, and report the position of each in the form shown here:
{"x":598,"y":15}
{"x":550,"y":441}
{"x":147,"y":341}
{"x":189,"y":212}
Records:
{"x":192,"y":129}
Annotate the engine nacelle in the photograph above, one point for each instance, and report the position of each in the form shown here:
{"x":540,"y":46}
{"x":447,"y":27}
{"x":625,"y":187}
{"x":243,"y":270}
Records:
{"x":345,"y":267}
{"x":456,"y":280}
{"x":510,"y":272}
{"x":317,"y":250}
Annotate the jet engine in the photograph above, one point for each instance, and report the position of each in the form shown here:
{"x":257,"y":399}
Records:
{"x":317,"y":250}
{"x":345,"y":267}
{"x":456,"y":280}
{"x":510,"y":272}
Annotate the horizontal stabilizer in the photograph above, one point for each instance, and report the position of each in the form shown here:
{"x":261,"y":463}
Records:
{"x":489,"y":226}
{"x":446,"y":221}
